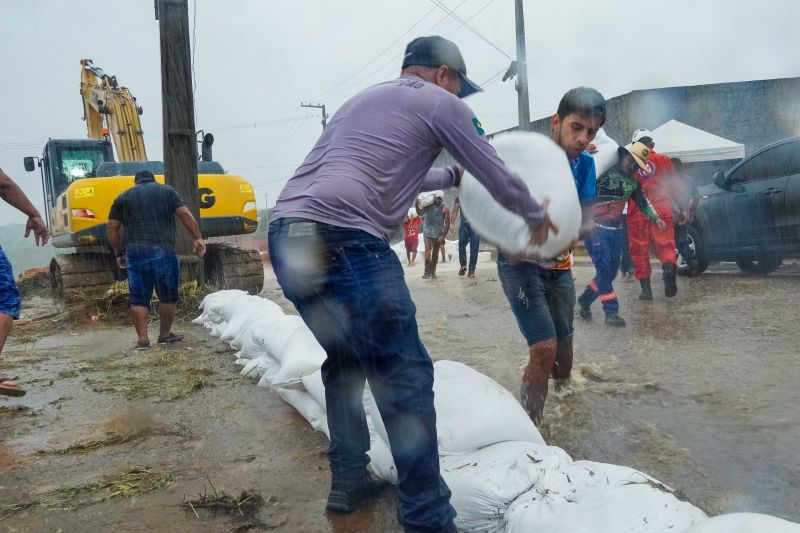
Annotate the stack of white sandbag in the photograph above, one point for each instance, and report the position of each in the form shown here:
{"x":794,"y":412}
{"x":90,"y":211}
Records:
{"x":502,"y":475}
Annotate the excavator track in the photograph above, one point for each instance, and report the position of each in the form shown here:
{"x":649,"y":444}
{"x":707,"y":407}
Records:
{"x":81,"y":274}
{"x":228,"y":267}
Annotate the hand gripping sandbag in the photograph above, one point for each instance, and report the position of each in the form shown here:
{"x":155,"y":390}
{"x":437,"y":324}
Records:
{"x":426,"y":198}
{"x":543,"y":166}
{"x":744,"y":523}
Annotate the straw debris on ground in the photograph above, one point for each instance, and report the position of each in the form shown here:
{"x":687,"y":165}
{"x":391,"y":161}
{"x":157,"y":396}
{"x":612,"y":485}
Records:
{"x":126,"y":484}
{"x":247,"y":504}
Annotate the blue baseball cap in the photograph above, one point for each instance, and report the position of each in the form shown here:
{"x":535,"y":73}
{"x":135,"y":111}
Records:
{"x":435,"y":51}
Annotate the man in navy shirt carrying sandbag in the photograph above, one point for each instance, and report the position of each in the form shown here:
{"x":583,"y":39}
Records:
{"x":329,"y":247}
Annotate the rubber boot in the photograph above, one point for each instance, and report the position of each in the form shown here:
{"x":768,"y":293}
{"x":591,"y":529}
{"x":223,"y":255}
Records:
{"x":562,"y":366}
{"x":613,"y":319}
{"x":533,"y":391}
{"x":647,"y":291}
{"x":584,"y":301}
{"x":427,"y":274}
{"x":670,"y":280}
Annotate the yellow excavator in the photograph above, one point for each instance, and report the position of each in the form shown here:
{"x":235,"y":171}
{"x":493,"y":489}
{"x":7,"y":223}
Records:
{"x":81,"y":179}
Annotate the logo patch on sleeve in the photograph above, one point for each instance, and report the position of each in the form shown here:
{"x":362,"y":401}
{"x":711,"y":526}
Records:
{"x":477,"y":124}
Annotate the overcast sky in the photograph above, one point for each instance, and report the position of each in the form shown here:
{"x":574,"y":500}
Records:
{"x":256,"y":60}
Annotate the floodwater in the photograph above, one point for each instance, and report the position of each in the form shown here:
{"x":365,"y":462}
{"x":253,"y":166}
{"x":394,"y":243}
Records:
{"x":699,"y":391}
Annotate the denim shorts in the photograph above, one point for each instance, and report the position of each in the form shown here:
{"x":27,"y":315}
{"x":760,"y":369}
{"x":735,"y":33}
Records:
{"x":9,"y":294}
{"x":542,"y":299}
{"x":152,"y":267}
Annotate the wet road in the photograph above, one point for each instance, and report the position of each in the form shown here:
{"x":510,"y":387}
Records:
{"x":698,"y":391}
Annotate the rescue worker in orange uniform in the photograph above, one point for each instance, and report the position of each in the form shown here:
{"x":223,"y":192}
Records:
{"x":661,"y":187}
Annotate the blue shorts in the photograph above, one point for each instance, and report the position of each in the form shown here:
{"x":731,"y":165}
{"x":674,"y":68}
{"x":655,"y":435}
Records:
{"x":152,"y":267}
{"x":9,"y":294}
{"x":542,"y":299}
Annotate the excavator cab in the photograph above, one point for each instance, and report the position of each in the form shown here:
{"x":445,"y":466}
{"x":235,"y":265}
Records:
{"x":66,"y":160}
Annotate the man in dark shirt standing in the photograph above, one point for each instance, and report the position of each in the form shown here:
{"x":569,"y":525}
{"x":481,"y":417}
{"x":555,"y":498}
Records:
{"x":147,"y":211}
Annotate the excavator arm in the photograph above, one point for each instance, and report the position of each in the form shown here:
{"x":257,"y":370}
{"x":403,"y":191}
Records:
{"x":106,"y":102}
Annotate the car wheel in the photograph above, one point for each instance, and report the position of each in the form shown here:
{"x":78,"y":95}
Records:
{"x":760,"y":267}
{"x":699,"y":263}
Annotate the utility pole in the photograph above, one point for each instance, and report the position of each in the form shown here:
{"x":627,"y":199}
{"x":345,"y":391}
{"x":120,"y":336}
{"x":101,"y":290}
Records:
{"x":177,"y":101}
{"x":318,"y":106}
{"x":522,"y":71}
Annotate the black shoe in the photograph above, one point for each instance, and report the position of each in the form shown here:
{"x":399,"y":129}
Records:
{"x":670,"y":282}
{"x":585,"y":311}
{"x":346,"y":497}
{"x":647,"y":291}
{"x":462,"y":271}
{"x":613,"y":319}
{"x":426,"y":275}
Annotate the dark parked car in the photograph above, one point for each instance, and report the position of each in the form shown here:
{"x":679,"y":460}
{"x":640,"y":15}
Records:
{"x":751,"y":215}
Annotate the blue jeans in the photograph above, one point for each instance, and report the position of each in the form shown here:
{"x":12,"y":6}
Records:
{"x":604,"y":248}
{"x":9,"y":293}
{"x":152,"y":267}
{"x":466,"y":235}
{"x":542,"y":300}
{"x":349,"y":288}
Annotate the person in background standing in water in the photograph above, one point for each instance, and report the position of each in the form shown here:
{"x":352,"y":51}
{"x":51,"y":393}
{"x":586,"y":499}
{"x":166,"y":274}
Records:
{"x":9,"y":293}
{"x":542,"y":293}
{"x":466,"y":236}
{"x":329,"y":247}
{"x":661,"y":187}
{"x":614,"y":189}
{"x":436,"y":224}
{"x":411,"y":229}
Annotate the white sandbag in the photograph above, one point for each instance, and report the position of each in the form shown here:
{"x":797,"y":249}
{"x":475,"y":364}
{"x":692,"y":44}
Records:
{"x":255,"y":368}
{"x":248,"y":332}
{"x":745,"y":523}
{"x":307,"y":407}
{"x":589,"y":497}
{"x":606,"y":155}
{"x":217,"y":329}
{"x":200,"y":320}
{"x":381,"y":463}
{"x":219,"y":296}
{"x":312,"y":383}
{"x":275,"y":334}
{"x":251,"y":347}
{"x":248,"y":311}
{"x":427,"y":198}
{"x":486,"y":481}
{"x":543,"y":165}
{"x":301,"y":356}
{"x":214,"y":306}
{"x":472,"y":411}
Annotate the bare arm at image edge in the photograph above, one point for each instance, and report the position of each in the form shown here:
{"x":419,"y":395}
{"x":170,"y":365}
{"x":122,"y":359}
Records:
{"x":13,"y":195}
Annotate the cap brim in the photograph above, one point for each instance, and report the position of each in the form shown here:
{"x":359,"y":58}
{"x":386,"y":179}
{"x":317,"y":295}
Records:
{"x":622,"y":150}
{"x":468,"y":87}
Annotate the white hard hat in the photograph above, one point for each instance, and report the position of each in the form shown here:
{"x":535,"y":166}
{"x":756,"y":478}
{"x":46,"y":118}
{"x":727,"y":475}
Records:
{"x":638,"y":134}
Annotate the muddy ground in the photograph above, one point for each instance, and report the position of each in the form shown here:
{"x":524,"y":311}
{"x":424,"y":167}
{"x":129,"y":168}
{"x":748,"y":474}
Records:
{"x":113,"y":439}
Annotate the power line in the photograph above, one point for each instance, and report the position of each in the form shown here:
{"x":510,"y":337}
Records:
{"x":318,"y":97}
{"x":470,"y":28}
{"x":347,"y":92}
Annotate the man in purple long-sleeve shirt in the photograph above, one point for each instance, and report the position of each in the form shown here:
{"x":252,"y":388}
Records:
{"x":329,"y":246}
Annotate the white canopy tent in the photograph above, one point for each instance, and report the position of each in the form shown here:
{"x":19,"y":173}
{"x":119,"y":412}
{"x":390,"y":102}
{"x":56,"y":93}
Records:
{"x":693,"y":145}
